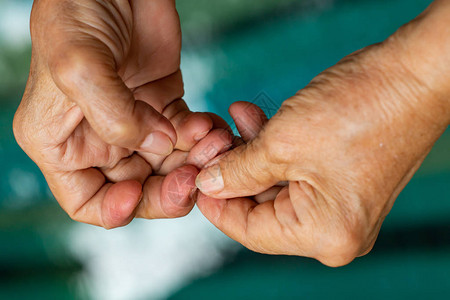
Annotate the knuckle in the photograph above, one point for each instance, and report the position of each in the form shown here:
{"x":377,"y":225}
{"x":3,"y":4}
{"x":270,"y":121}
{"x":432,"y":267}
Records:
{"x":279,"y":142}
{"x":18,"y":130}
{"x":255,"y":246}
{"x":69,"y":67}
{"x":277,"y":152}
{"x":118,"y":132}
{"x":74,"y":68}
{"x":21,"y":131}
{"x":273,"y":149}
{"x":256,"y":249}
{"x":342,"y":248}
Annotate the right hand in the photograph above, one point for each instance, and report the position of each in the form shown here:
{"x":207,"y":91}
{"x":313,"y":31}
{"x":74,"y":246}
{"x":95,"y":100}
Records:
{"x":347,"y":144}
{"x":102,"y":111}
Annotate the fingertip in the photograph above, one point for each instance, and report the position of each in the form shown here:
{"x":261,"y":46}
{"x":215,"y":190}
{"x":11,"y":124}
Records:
{"x":177,"y":192}
{"x":202,"y":125}
{"x":210,"y":181}
{"x":120,"y":203}
{"x":237,"y":106}
{"x":193,"y":128}
{"x":249,"y":119}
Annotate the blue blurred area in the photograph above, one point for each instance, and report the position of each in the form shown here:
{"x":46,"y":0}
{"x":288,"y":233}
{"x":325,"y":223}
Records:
{"x":282,"y":54}
{"x":268,"y":58}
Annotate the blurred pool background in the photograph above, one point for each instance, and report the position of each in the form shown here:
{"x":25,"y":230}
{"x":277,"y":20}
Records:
{"x":233,"y":50}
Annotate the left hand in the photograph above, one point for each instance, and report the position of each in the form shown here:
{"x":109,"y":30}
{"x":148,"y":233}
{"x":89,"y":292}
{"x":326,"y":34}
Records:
{"x":104,"y":74}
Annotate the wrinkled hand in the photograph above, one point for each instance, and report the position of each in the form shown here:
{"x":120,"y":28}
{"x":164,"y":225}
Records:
{"x":102,"y":111}
{"x":347,"y":144}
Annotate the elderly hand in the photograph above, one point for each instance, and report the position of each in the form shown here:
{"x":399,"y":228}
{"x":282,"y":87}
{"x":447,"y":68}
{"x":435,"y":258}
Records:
{"x":347,"y":144}
{"x":102,"y":111}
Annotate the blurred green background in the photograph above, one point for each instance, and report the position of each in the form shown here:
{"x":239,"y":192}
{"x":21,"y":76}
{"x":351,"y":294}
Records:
{"x":232,"y":50}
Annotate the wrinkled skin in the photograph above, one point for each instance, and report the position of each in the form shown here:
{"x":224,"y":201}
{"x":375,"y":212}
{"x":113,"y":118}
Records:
{"x":347,"y":144}
{"x":104,"y":75}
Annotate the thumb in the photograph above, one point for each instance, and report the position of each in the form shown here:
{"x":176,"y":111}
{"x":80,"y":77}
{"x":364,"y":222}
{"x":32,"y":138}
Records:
{"x":89,"y":78}
{"x":244,"y":171}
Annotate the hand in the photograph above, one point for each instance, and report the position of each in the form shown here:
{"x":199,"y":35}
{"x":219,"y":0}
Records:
{"x":102,"y":111}
{"x":347,"y":144}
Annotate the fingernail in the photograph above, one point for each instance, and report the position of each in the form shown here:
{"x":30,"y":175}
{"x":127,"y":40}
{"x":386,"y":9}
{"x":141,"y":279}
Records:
{"x":200,"y":136}
{"x":210,"y":180}
{"x":157,"y":143}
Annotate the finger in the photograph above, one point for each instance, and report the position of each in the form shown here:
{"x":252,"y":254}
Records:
{"x":170,"y":196}
{"x":160,"y":93}
{"x":268,"y":195}
{"x":215,"y":143}
{"x":247,"y":126}
{"x":174,"y":161}
{"x":88,"y":198}
{"x":339,"y":240}
{"x":219,"y":122}
{"x":119,"y":203}
{"x":190,"y":127}
{"x":244,"y":171}
{"x":165,"y":96}
{"x":67,"y":124}
{"x":259,"y":227}
{"x":88,"y":76}
{"x":82,"y":148}
{"x":154,"y":160}
{"x":249,"y":119}
{"x":129,"y":168}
